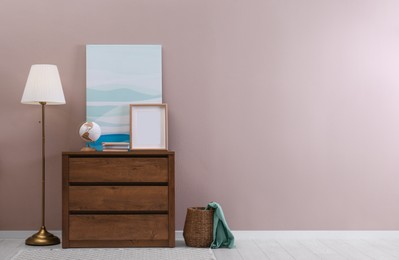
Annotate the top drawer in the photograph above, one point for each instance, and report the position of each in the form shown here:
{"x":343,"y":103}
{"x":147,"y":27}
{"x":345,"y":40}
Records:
{"x":118,"y":169}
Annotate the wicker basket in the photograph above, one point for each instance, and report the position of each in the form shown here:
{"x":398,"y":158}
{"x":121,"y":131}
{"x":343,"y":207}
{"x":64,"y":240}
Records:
{"x":198,"y":228}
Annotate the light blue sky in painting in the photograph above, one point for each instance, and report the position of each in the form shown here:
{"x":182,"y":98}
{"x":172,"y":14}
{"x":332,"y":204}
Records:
{"x":119,"y":75}
{"x":111,"y":67}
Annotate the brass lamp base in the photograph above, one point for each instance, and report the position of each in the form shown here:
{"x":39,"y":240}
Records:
{"x":42,"y":238}
{"x":87,"y":149}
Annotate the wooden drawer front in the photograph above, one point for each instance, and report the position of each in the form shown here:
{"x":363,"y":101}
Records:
{"x":124,"y":198}
{"x":118,"y":227}
{"x":118,"y":169}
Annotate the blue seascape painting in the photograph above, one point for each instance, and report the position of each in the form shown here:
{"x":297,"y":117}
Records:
{"x":117,"y":76}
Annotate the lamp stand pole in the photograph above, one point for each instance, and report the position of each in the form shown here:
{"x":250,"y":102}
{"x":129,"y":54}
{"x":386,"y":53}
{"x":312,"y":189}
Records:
{"x":43,"y":237}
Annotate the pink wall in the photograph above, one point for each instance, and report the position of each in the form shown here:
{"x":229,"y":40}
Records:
{"x":285,"y":112}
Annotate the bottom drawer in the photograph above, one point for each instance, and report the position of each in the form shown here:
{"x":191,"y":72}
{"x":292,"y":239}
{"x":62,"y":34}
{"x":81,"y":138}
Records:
{"x":118,"y":227}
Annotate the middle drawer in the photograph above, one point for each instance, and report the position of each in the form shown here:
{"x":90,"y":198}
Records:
{"x":118,"y":198}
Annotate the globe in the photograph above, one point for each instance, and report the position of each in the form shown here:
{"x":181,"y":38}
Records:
{"x":90,"y":131}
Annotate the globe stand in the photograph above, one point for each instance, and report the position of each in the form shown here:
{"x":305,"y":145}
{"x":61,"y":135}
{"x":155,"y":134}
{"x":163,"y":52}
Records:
{"x":88,"y":149}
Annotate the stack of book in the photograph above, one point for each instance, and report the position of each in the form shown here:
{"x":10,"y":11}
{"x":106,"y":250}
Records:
{"x":115,"y":147}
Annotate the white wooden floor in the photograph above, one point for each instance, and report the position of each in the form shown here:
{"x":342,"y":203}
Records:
{"x":326,"y":249}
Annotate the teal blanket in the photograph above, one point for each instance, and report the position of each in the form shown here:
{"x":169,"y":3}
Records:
{"x":222,"y":236}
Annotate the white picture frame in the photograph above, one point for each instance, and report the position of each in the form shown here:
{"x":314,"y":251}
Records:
{"x":148,"y":126}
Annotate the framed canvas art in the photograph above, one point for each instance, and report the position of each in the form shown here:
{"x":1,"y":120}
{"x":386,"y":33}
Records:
{"x":117,"y":76}
{"x":149,"y":126}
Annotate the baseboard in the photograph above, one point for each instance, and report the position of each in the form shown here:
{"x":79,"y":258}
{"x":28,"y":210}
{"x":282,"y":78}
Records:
{"x":316,"y":234}
{"x":258,"y":234}
{"x":22,"y":234}
{"x":309,"y":234}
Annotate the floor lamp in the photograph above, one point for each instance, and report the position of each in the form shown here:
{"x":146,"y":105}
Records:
{"x":43,"y":87}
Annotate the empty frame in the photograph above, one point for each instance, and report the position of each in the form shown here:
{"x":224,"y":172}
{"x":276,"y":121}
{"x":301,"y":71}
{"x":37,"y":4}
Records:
{"x":148,"y":126}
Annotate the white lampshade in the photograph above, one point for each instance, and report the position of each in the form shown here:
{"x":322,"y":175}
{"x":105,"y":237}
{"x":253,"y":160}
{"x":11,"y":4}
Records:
{"x":43,"y":85}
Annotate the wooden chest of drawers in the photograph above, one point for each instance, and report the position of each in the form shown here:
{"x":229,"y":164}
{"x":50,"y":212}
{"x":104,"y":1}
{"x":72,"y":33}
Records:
{"x":118,"y":199}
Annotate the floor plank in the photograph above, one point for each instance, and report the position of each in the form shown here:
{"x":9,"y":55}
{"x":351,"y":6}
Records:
{"x":370,"y":249}
{"x":249,"y":250}
{"x":227,"y":254}
{"x":321,"y":250}
{"x":387,"y":244}
{"x":273,"y":250}
{"x":9,"y":247}
{"x":392,"y":242}
{"x":297,"y":250}
{"x":345,"y":249}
